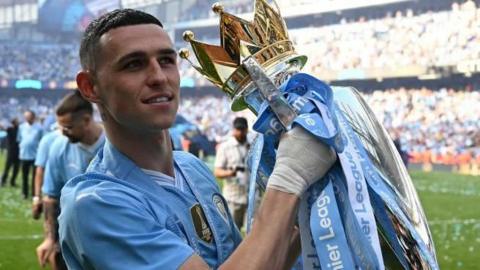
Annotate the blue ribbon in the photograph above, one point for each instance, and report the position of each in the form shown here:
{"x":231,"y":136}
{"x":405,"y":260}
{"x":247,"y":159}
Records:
{"x":336,"y":230}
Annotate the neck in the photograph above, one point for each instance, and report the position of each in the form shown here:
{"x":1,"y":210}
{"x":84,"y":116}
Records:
{"x":92,"y":135}
{"x":151,"y":152}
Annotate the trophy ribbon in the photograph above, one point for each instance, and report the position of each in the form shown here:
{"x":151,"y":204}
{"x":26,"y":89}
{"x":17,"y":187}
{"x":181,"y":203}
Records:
{"x":336,"y":215}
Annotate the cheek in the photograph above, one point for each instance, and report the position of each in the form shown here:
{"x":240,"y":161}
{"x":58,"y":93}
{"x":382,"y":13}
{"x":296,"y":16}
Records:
{"x":116,"y":99}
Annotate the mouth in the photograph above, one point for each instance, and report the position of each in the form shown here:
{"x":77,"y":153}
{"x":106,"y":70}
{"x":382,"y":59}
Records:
{"x":158,"y":99}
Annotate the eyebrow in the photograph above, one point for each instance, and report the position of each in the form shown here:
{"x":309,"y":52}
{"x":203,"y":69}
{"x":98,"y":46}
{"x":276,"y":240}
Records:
{"x":137,"y":54}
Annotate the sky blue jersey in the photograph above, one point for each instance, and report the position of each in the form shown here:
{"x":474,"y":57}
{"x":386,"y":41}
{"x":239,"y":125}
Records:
{"x":116,"y":217}
{"x":67,"y":160}
{"x":28,"y":138}
{"x":44,"y":148}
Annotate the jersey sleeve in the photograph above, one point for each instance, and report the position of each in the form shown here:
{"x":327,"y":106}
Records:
{"x":42,"y":152}
{"x":52,"y":178}
{"x":114,"y":229}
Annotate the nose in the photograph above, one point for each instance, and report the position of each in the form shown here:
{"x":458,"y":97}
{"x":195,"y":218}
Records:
{"x":156,"y":74}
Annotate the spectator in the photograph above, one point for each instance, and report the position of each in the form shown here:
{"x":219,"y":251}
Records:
{"x":29,"y":135}
{"x":230,"y":165}
{"x":12,"y":161}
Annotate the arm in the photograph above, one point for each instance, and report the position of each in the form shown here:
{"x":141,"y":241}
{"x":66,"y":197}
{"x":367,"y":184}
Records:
{"x":49,"y":244}
{"x":301,"y":160}
{"x":51,"y":191}
{"x":37,"y":195}
{"x":223,"y":173}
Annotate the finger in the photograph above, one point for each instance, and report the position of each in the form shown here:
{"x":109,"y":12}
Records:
{"x":39,"y":256}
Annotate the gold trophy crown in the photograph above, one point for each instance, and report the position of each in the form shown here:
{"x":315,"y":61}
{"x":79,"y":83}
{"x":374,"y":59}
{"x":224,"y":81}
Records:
{"x":265,"y":39}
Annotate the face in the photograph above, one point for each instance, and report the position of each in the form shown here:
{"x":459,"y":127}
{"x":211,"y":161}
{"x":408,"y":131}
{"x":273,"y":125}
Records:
{"x":72,"y":127}
{"x":240,"y":134}
{"x":29,"y":117}
{"x":137,"y":78}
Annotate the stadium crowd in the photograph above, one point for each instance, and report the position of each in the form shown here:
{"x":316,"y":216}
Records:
{"x":394,"y":42}
{"x":441,"y":123}
{"x":424,"y":119}
{"x":403,"y":40}
{"x":236,"y":7}
{"x":43,"y":62}
{"x":433,"y":126}
{"x":399,"y":41}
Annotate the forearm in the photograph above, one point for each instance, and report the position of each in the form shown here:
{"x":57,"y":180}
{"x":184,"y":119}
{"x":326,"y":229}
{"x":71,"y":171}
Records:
{"x":52,"y":210}
{"x":268,"y":244}
{"x":38,"y":182}
{"x":223,"y":173}
{"x":295,"y":248}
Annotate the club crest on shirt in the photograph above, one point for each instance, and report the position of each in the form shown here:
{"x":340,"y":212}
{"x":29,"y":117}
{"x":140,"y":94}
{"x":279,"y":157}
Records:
{"x":218,"y":202}
{"x":200,"y":222}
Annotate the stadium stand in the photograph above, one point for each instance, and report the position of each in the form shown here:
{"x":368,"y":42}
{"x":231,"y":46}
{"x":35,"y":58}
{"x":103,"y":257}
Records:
{"x":417,"y":62}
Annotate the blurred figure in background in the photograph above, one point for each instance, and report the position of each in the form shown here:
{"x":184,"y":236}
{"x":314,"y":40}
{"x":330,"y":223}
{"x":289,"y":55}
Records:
{"x":12,"y":161}
{"x":69,"y":156}
{"x":40,"y":163}
{"x":230,"y":165}
{"x":28,"y":137}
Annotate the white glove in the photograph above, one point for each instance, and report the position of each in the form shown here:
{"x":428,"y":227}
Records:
{"x":301,"y":160}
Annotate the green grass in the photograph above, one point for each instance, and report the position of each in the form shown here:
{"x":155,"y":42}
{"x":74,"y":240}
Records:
{"x":451,"y":203}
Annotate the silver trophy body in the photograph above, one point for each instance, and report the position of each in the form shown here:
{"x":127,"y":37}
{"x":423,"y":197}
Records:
{"x":380,"y":149}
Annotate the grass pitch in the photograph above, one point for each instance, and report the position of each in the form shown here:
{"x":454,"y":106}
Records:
{"x":451,"y":203}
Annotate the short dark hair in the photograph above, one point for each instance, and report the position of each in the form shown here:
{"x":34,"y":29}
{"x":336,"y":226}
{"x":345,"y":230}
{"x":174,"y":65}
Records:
{"x":240,"y":123}
{"x":74,"y":103}
{"x":101,"y":25}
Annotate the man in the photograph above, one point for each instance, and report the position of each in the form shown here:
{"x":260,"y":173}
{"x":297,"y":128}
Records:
{"x":29,"y":135}
{"x":40,"y":163}
{"x":230,"y":164}
{"x":69,"y":156}
{"x":12,"y":161}
{"x":142,"y":206}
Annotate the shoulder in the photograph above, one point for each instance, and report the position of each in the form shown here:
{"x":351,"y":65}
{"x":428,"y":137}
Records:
{"x":58,"y":146}
{"x":94,"y":194}
{"x":187,"y":160}
{"x":49,"y":137}
{"x":226,"y":144}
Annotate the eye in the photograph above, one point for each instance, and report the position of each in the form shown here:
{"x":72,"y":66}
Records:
{"x":133,"y":64}
{"x":166,"y":60}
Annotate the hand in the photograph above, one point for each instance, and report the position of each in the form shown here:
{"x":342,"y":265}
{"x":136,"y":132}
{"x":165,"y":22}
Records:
{"x":45,"y":249}
{"x":232,"y":173}
{"x":37,"y":208}
{"x":301,"y":160}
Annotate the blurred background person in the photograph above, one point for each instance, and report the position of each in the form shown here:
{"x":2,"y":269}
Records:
{"x":69,"y":156}
{"x":29,"y":135}
{"x":40,"y":163}
{"x":230,"y":165}
{"x":12,"y":161}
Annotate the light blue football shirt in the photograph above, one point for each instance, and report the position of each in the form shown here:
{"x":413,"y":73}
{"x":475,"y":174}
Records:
{"x":44,"y":148}
{"x":67,"y":160}
{"x":118,"y":217}
{"x":29,"y":137}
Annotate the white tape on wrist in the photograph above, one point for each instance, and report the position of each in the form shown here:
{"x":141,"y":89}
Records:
{"x":301,"y":160}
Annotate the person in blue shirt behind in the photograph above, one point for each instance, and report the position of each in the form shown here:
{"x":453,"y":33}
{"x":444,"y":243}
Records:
{"x":68,"y":157}
{"x":141,"y":205}
{"x":40,"y":163}
{"x":28,"y":137}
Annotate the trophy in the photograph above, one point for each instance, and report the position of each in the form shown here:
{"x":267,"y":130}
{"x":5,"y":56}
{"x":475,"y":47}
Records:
{"x":364,"y":213}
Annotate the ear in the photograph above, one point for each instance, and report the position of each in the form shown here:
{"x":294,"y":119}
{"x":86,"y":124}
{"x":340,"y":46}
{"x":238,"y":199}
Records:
{"x":86,"y":86}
